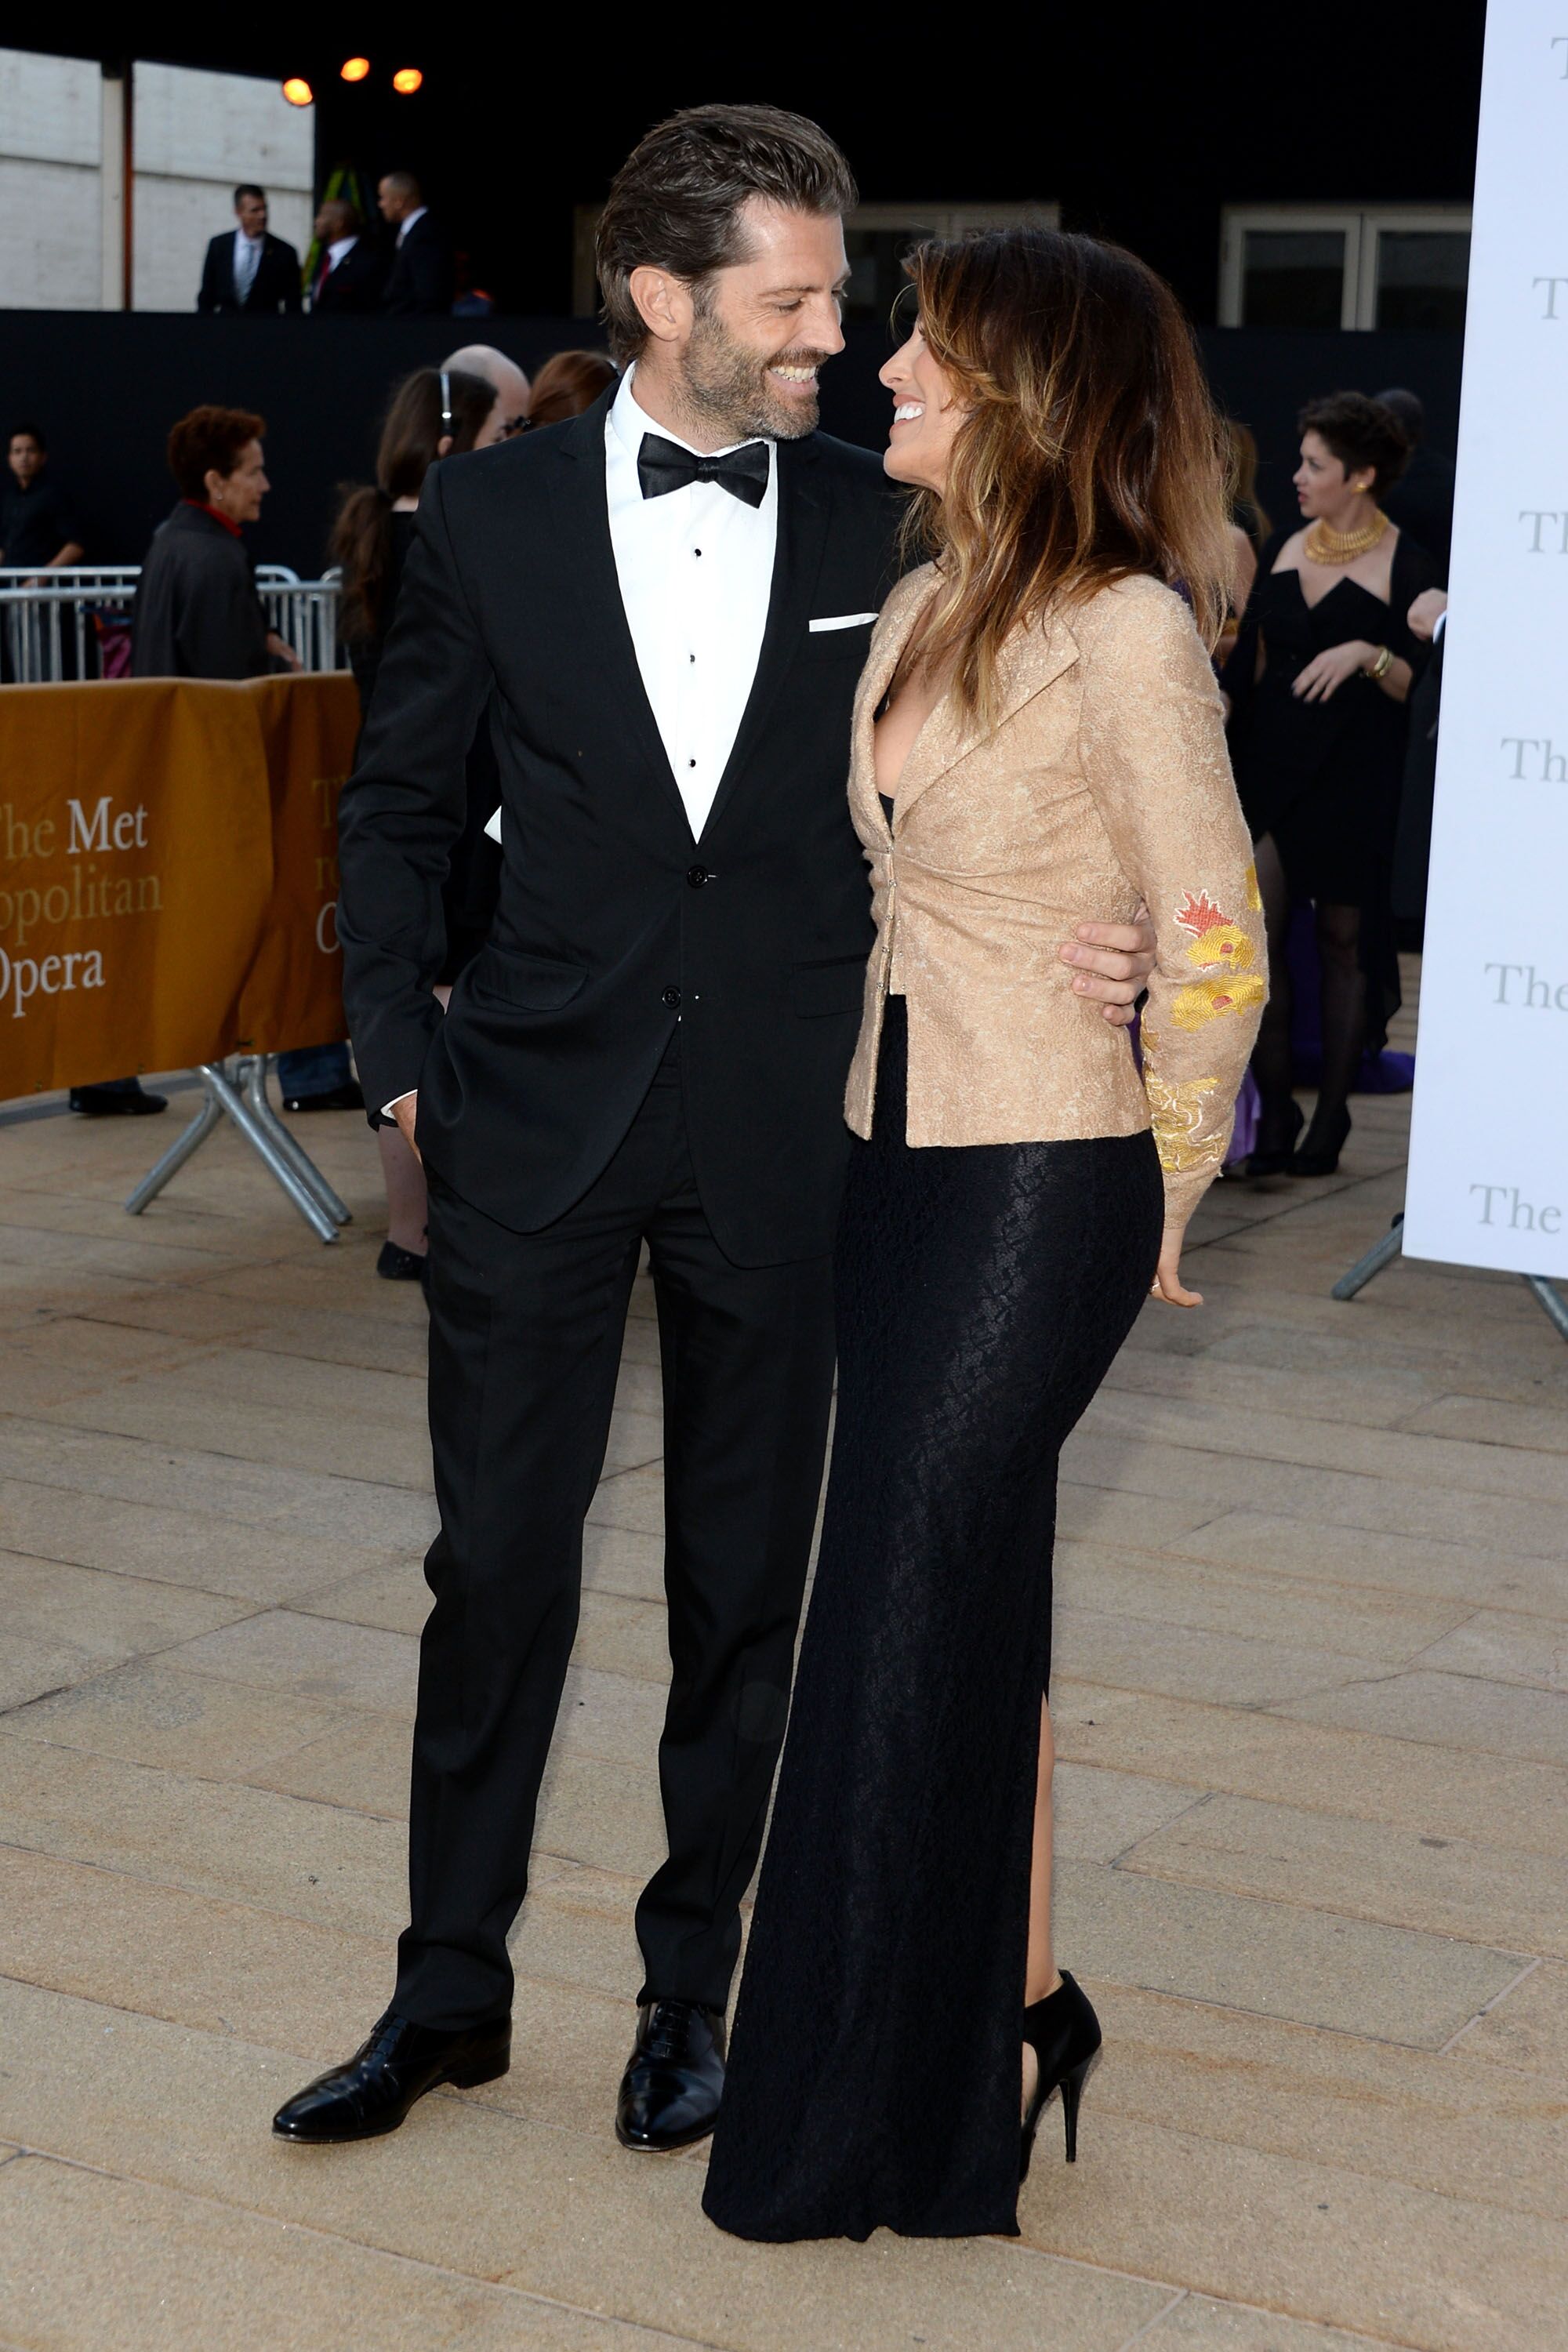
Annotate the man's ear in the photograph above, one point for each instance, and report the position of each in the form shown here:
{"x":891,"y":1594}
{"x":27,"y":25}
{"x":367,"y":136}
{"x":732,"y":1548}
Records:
{"x":664,"y":302}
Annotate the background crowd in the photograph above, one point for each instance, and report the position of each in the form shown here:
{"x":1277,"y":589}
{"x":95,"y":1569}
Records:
{"x":405,"y":266}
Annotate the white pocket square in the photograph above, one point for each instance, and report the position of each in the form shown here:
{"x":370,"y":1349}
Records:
{"x":841,"y":621}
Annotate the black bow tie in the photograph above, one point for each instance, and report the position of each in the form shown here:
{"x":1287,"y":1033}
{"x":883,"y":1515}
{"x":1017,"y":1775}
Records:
{"x":665,"y":466}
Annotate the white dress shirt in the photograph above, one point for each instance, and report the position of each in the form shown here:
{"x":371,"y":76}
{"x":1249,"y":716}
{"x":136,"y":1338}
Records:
{"x":696,"y":570}
{"x":409,"y":220}
{"x":338,"y":247}
{"x":246,"y":260}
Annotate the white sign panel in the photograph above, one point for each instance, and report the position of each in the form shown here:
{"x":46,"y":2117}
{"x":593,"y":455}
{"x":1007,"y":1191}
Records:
{"x":1489,"y":1148}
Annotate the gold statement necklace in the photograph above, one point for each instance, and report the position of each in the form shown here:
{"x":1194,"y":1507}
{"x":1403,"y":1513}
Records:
{"x":1325,"y":546}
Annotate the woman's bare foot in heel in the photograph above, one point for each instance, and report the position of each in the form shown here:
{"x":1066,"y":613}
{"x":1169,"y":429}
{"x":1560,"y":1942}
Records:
{"x":1031,"y":2059}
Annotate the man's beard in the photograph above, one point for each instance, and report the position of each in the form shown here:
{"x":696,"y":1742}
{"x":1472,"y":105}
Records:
{"x":727,"y":390}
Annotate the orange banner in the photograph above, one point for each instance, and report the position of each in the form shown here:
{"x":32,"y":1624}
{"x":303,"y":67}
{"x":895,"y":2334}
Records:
{"x":293,"y":993}
{"x":167,"y":872}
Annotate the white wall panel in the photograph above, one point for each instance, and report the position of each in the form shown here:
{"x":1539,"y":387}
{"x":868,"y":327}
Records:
{"x":51,"y":252}
{"x":50,"y":108}
{"x":174,"y":218}
{"x":217,"y":126}
{"x":1488,"y":1147}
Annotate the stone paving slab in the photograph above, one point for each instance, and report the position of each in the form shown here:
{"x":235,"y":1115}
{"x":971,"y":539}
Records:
{"x":158,"y":1712}
{"x":1450,"y":2122}
{"x":1199,"y":2324}
{"x":321,"y":1862}
{"x":1301,"y":1611}
{"x":1275,"y":1957}
{"x":1450,"y":1886}
{"x":1365,"y":1776}
{"x":1318,"y":2239}
{"x":94,"y":2259}
{"x":1528,"y":2031}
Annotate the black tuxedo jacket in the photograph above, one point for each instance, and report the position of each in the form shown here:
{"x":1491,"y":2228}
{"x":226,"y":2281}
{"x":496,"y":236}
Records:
{"x":274,"y":288}
{"x":421,"y":280}
{"x":357,"y":284}
{"x":612,"y":919}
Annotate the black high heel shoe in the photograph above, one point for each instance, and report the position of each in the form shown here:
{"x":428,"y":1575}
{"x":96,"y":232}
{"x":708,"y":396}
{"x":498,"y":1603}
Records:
{"x":1279,"y":1121}
{"x":1320,"y":1157}
{"x":1063,"y":2031}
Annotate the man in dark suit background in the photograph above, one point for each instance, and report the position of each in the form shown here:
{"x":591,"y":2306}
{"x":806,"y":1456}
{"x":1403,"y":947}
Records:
{"x":422,"y":281}
{"x":248,"y":268}
{"x":665,"y":605}
{"x":350,"y":268}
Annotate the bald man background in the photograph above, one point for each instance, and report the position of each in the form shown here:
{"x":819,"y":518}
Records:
{"x":511,"y":383}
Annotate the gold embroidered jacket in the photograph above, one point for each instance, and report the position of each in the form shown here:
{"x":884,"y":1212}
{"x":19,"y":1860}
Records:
{"x":1104,"y":779}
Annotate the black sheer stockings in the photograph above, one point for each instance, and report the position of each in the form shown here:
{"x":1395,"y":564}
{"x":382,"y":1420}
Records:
{"x":1343,"y":1002}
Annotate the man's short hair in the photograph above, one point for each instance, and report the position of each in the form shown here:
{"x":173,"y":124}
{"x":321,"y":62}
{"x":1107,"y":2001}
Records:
{"x":33,"y":432}
{"x":249,"y":188}
{"x":346,"y":213}
{"x":675,"y":204}
{"x":403,"y":183}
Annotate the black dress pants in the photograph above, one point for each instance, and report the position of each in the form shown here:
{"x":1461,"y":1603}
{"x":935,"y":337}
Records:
{"x":525,"y":1341}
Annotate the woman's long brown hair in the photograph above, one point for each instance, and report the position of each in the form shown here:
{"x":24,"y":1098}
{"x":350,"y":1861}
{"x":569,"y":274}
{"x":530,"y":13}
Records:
{"x":1092,"y":449}
{"x":361,"y":533}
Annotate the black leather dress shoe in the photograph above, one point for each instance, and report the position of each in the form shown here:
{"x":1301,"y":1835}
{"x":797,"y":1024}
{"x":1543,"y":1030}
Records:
{"x":344,"y":1098}
{"x":397,"y":1265}
{"x":374,"y":2092}
{"x":674,"y":2078}
{"x":119,"y":1098}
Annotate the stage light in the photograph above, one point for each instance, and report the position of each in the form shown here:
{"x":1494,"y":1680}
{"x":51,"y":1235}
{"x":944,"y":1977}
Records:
{"x":354,"y":70}
{"x":406,"y":81}
{"x":298,"y":92}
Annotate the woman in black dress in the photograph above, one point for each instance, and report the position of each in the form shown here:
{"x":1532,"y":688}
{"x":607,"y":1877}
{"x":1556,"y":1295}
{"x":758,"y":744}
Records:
{"x":1038,"y":739}
{"x":1318,"y":682}
{"x":435,"y":413}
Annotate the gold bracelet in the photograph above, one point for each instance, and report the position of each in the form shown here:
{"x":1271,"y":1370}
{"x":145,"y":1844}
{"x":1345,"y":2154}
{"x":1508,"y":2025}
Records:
{"x":1379,"y":667}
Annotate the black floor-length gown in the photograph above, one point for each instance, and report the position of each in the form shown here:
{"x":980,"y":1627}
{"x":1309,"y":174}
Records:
{"x":981,"y":1294}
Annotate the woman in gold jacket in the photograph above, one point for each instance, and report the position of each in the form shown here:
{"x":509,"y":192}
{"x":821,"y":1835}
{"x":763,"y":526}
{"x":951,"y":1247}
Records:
{"x":1037,"y":740}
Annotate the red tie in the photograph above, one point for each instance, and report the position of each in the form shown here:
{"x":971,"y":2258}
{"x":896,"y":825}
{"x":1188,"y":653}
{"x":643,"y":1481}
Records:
{"x":323,"y":274}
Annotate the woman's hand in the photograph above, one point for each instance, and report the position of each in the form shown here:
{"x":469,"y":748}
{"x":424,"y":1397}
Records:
{"x":1328,"y":672}
{"x":1167,"y":1282}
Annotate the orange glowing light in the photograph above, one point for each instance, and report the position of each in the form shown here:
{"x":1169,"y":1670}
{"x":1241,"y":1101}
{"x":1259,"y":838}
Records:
{"x":406,"y":81}
{"x":298,"y":92}
{"x":354,"y":70}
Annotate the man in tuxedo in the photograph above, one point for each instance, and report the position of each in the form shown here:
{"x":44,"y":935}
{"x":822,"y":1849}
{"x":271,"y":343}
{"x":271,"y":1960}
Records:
{"x":350,"y":270}
{"x":664,"y":604}
{"x":422,"y":281}
{"x":248,"y":268}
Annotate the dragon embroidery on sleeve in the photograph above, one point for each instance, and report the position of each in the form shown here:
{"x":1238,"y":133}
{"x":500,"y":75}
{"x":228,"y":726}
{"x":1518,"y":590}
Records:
{"x":1224,"y":954}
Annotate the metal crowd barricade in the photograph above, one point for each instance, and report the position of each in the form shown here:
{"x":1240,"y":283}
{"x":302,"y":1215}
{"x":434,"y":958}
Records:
{"x":242,"y":1097}
{"x":65,"y":624}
